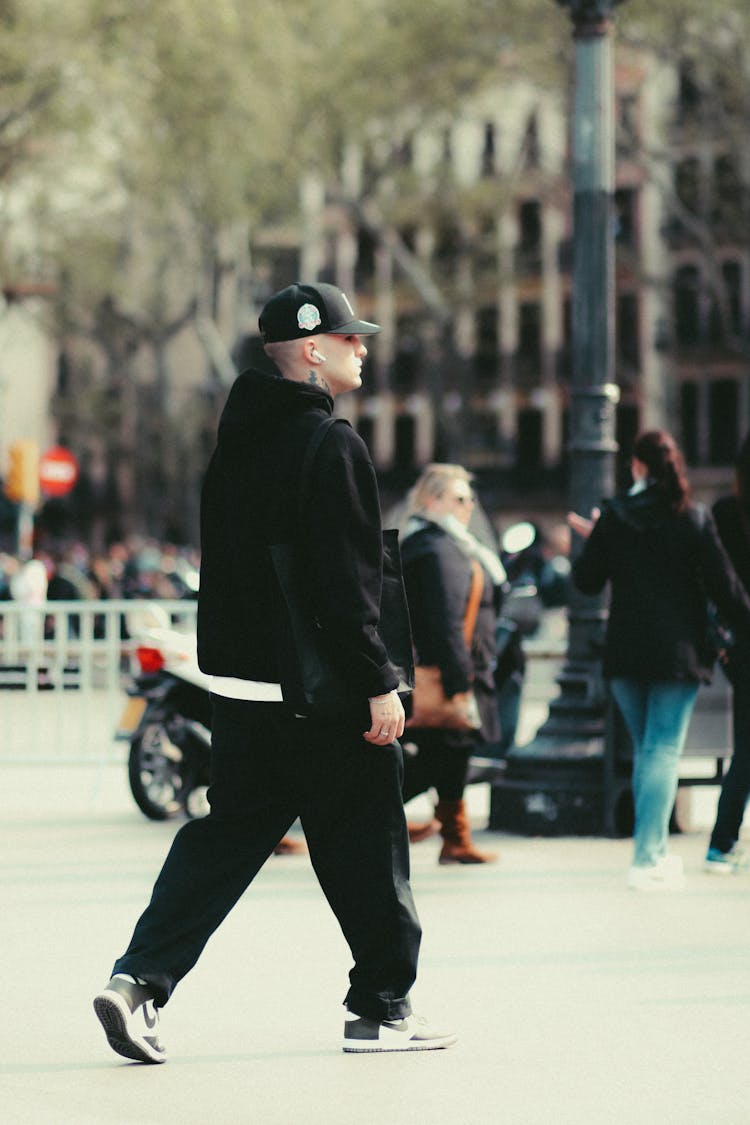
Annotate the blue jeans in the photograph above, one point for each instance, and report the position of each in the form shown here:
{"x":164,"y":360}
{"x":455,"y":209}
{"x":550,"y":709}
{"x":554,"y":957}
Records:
{"x":657,"y":716}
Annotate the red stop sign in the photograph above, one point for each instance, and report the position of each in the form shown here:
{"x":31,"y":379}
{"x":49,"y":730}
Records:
{"x":58,"y":471}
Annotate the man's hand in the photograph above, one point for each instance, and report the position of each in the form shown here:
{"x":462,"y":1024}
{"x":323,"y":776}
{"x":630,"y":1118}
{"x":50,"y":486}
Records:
{"x":387,"y":714}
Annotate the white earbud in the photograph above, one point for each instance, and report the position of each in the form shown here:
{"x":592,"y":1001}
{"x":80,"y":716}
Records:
{"x":316,"y":355}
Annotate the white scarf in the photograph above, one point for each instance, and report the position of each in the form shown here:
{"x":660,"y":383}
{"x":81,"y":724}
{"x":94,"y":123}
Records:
{"x":464,"y":539}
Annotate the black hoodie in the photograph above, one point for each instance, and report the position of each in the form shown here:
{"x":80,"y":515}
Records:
{"x":250,"y":500}
{"x":663,"y":566}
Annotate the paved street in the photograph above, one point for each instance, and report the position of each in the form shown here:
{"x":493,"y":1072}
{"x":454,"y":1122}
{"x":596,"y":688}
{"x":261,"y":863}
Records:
{"x":576,"y":1001}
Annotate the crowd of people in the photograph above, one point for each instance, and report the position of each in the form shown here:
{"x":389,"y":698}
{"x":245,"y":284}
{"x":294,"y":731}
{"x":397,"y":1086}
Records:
{"x":139,"y":567}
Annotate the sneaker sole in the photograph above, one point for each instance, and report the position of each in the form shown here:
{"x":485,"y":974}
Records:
{"x":719,"y":868}
{"x":351,"y":1046}
{"x":659,"y":886}
{"x":113,"y":1014}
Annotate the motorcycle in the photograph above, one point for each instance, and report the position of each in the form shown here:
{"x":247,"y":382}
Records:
{"x":167,"y":720}
{"x":537,"y":579}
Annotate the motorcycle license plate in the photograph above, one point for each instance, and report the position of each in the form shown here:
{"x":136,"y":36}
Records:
{"x":131,"y":716}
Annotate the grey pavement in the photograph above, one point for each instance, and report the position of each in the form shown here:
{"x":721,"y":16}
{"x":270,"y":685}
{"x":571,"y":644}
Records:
{"x":575,"y":1000}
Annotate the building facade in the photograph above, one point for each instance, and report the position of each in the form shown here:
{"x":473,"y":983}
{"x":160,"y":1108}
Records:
{"x":456,"y":235}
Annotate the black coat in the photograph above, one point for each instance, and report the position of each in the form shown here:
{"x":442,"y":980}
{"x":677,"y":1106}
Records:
{"x":250,"y":500}
{"x":437,"y":576}
{"x":662,"y":566}
{"x":733,"y":525}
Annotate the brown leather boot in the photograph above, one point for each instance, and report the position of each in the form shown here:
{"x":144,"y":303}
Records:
{"x":419,"y":832}
{"x":454,"y":827}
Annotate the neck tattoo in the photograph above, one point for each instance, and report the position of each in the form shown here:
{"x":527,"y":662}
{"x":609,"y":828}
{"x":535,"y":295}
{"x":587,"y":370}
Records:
{"x":317,"y":380}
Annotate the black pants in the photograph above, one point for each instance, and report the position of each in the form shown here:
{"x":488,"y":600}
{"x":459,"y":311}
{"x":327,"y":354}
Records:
{"x":441,"y":762}
{"x":269,"y":767}
{"x":735,"y":788}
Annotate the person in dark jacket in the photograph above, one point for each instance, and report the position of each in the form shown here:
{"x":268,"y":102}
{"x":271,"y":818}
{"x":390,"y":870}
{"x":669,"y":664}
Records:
{"x":272,"y":758}
{"x":437,"y":552}
{"x":663,"y":558}
{"x":732,"y":517}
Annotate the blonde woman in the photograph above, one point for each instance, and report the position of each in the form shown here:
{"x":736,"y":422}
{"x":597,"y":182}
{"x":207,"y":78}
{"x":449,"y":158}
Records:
{"x":437,"y":551}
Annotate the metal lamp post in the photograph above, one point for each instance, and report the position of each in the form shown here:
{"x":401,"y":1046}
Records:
{"x":554,"y":783}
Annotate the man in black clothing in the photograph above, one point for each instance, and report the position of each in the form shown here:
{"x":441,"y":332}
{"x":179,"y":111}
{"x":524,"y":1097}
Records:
{"x":273,"y":759}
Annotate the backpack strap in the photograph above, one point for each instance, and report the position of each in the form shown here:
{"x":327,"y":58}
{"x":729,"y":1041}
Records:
{"x":472,"y":606}
{"x":313,"y":446}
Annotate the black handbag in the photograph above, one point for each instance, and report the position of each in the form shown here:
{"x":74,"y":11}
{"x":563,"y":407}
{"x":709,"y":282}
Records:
{"x":311,"y":670}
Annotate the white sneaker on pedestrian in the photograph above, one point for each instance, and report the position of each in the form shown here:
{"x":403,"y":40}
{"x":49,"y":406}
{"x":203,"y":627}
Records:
{"x":665,"y":875}
{"x":671,"y":866}
{"x":726,"y":863}
{"x":412,"y":1033}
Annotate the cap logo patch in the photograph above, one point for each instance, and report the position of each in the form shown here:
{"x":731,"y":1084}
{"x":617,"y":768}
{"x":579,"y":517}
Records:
{"x":308,"y":317}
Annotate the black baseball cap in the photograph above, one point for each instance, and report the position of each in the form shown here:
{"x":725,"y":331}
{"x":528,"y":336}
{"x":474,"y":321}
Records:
{"x":309,"y":310}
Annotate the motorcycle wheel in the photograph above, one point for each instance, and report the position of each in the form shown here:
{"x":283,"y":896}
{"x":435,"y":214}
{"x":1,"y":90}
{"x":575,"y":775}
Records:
{"x":159,"y":780}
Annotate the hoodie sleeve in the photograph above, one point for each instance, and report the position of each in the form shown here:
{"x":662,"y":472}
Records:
{"x":720,"y":579}
{"x":343,"y":551}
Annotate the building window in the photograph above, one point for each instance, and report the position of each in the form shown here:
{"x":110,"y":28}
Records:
{"x":365,"y":267}
{"x":530,"y":431}
{"x":565,"y":355}
{"x":448,"y":245}
{"x":485,"y":259}
{"x":486,"y":357}
{"x":687,"y":306}
{"x":626,"y":431}
{"x":688,"y":184}
{"x":727,"y":196}
{"x":530,"y":237}
{"x":488,"y":150}
{"x":405,"y":441}
{"x":627,"y":122}
{"x":531,"y":144}
{"x":529,"y":338}
{"x":626,"y":200}
{"x":63,"y":374}
{"x":406,"y":360}
{"x":689,"y":422}
{"x":689,"y":96}
{"x":731,"y":273}
{"x":723,"y":413}
{"x":628,"y":338}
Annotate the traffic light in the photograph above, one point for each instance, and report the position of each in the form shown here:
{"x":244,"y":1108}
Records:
{"x":22,"y":481}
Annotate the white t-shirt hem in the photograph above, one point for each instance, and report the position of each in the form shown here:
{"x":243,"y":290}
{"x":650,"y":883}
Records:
{"x":255,"y":691}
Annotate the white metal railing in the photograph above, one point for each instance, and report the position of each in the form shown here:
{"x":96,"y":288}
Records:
{"x":77,"y":644}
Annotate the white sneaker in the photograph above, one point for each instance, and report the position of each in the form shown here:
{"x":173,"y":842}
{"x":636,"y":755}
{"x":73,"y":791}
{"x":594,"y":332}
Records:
{"x":412,"y":1033}
{"x":671,"y":866}
{"x":130,"y":1020}
{"x":726,"y":863}
{"x":666,"y":875}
